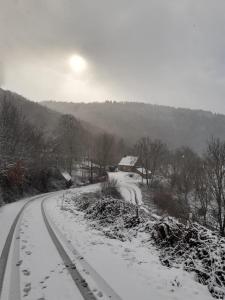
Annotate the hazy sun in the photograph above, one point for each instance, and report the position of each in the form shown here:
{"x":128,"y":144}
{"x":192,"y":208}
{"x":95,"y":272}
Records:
{"x":77,"y":63}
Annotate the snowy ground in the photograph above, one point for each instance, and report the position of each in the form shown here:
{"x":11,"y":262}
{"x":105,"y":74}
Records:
{"x":128,"y":186}
{"x":7,"y":216}
{"x":35,"y":269}
{"x":113,"y":269}
{"x":132,"y":268}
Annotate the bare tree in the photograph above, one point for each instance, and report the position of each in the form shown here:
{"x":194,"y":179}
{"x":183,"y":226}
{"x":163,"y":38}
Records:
{"x":202,"y":189}
{"x":151,"y":155}
{"x":11,"y":132}
{"x":216,"y":167}
{"x":183,"y":165}
{"x":105,"y":150}
{"x":68,"y":134}
{"x":142,"y":150}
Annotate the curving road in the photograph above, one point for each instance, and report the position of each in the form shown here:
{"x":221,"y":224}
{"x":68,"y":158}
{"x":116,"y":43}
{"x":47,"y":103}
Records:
{"x":37,"y":262}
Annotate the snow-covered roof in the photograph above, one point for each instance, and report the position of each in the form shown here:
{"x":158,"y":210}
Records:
{"x":128,"y":161}
{"x":66,"y":175}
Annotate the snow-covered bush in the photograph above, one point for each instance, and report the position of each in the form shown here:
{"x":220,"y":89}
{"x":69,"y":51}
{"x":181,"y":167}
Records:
{"x":199,"y":250}
{"x":114,"y":216}
{"x":107,"y":210}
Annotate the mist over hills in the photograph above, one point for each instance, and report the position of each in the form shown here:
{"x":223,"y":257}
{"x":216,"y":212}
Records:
{"x":42,"y":117}
{"x":130,"y":120}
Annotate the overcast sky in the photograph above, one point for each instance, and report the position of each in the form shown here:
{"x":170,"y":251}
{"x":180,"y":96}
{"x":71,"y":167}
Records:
{"x":169,"y":52}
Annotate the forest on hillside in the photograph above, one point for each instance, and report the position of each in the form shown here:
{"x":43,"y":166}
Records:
{"x":130,"y":121}
{"x":38,"y":144}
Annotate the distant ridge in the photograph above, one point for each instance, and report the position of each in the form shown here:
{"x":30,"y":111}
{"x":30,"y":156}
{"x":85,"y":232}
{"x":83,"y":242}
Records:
{"x":132,"y":120}
{"x":39,"y":115}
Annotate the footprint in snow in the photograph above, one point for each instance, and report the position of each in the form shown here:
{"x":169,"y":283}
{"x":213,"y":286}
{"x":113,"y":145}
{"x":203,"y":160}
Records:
{"x":84,"y":283}
{"x":19,"y":263}
{"x":26,"y":272}
{"x":27,"y":289}
{"x":99,"y":294}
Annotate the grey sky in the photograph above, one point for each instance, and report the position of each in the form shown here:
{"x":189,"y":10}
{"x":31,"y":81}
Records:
{"x":169,"y":52}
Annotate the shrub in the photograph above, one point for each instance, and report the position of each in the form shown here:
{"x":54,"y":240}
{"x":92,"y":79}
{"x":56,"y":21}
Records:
{"x":170,"y":205}
{"x":196,"y":248}
{"x":109,"y":211}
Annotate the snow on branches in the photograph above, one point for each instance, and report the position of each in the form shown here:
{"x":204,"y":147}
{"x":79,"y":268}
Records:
{"x":199,"y":250}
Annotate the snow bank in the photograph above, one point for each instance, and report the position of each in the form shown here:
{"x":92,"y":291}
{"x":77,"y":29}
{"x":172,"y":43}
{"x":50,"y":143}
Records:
{"x":132,"y":267}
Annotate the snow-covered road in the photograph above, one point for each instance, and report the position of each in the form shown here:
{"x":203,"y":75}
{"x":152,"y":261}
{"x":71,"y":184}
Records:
{"x":41,"y":263}
{"x":128,"y":185}
{"x":35,"y":269}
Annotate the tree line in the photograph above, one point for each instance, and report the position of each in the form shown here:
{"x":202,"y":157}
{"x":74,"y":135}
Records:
{"x":196,"y":182}
{"x":30,"y":157}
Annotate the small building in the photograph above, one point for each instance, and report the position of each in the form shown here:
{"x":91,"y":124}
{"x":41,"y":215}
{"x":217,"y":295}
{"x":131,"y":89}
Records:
{"x":128,"y":163}
{"x":67,"y":178}
{"x":141,"y":171}
{"x":112,"y":168}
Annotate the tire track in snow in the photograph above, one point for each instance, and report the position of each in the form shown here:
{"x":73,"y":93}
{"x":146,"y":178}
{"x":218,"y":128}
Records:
{"x":133,"y":194}
{"x":102,"y":284}
{"x":6,"y":249}
{"x":76,"y":276}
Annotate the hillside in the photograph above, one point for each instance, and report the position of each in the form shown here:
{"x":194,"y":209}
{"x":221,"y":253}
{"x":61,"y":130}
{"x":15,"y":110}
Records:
{"x":42,"y":117}
{"x":176,"y":126}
